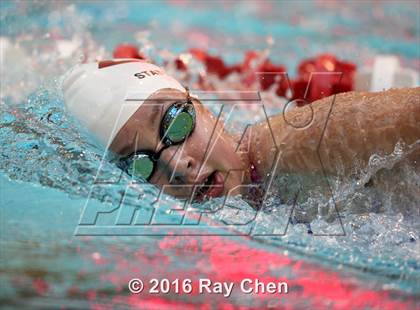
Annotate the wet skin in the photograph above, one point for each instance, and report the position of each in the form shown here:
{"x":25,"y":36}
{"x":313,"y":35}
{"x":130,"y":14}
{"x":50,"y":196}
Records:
{"x":208,"y":153}
{"x":342,"y":131}
{"x":359,"y":124}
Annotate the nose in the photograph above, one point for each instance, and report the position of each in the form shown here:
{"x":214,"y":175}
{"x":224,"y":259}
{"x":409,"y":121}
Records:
{"x":180,"y":167}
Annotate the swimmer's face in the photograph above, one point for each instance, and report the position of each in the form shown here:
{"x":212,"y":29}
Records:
{"x":208,"y":156}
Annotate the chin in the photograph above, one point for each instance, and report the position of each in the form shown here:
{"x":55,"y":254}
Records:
{"x":234,"y":186}
{"x":234,"y":191}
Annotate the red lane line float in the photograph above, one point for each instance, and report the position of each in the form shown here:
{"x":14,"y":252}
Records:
{"x":311,"y":83}
{"x":323,"y":85}
{"x":254,"y":66}
{"x":126,"y":50}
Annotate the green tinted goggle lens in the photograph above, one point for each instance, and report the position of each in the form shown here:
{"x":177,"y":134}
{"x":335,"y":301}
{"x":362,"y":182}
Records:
{"x":142,"y":166}
{"x":180,"y":127}
{"x":176,"y":126}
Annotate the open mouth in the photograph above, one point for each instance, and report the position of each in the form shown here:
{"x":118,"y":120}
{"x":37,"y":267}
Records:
{"x":213,"y":186}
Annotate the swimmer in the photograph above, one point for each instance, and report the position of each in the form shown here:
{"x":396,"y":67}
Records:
{"x":163,"y":134}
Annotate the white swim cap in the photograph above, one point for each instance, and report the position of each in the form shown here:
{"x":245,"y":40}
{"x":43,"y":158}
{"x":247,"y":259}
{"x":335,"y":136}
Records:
{"x":104,"y":95}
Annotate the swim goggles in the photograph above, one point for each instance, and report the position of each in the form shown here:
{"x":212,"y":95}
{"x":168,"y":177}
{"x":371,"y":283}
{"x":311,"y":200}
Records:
{"x":176,"y":125}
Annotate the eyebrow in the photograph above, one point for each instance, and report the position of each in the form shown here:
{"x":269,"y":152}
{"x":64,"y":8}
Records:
{"x":157,"y":110}
{"x":130,"y":147}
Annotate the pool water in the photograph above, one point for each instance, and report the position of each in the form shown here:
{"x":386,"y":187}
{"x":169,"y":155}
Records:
{"x":367,"y":256}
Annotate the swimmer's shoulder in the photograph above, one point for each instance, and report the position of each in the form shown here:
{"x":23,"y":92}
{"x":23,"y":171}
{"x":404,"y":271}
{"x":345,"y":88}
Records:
{"x":408,"y":95}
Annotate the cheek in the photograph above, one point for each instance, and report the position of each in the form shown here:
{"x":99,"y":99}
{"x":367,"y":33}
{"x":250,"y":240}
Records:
{"x":222,"y":149}
{"x":208,"y":136}
{"x":207,"y":126}
{"x":205,"y":132}
{"x":225,"y":151}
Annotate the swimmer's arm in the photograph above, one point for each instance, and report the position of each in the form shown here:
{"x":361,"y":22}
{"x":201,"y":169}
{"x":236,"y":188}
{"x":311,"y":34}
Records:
{"x":357,"y":125}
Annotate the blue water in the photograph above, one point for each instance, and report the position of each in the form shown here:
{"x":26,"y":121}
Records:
{"x":48,"y":161}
